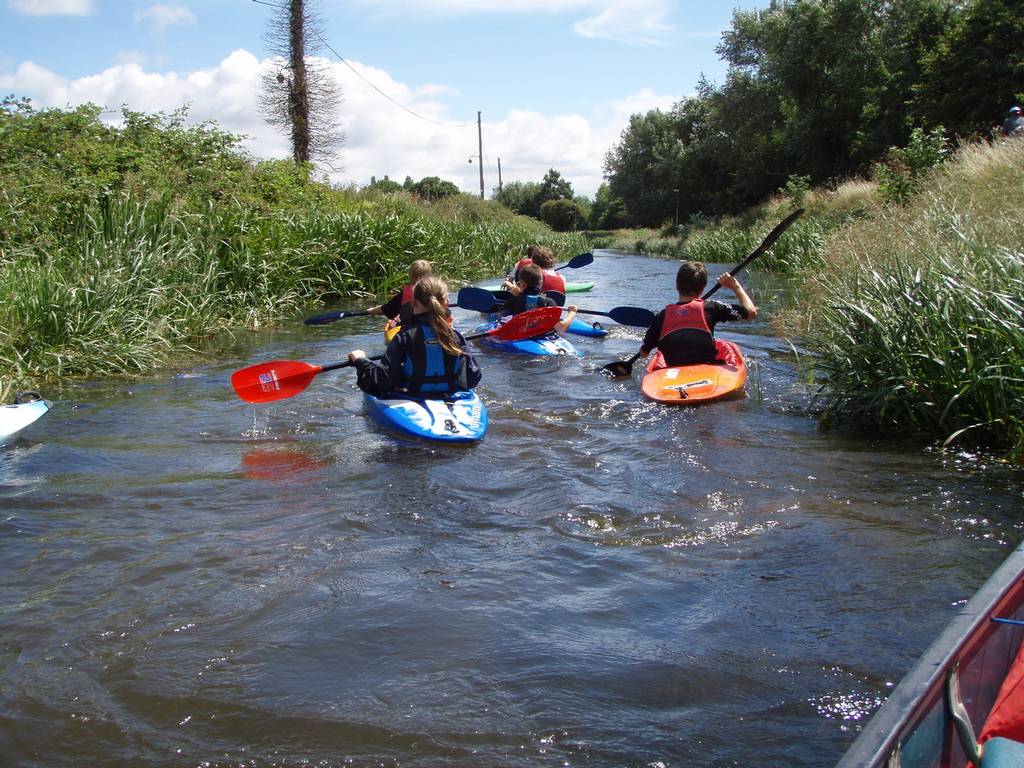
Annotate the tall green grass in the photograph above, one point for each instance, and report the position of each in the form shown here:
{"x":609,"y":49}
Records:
{"x":918,"y":317}
{"x":138,"y":283}
{"x":120,"y":247}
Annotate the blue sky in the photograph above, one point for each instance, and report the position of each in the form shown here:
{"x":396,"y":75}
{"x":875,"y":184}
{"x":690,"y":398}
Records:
{"x":555,"y":80}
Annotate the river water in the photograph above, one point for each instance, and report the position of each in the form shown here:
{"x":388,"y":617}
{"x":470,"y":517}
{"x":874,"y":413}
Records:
{"x":190,"y":580}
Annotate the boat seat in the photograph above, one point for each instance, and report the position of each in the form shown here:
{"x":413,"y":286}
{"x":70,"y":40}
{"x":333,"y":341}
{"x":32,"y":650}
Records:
{"x":1000,"y":752}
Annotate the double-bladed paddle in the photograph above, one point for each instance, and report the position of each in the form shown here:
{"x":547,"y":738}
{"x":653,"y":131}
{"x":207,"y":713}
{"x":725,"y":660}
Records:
{"x":330,"y":317}
{"x":578,"y":261}
{"x":481,"y":300}
{"x":625,"y":367}
{"x":279,"y":379}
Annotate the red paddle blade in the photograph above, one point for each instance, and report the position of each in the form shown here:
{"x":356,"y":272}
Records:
{"x":271,"y":381}
{"x":526,"y":325}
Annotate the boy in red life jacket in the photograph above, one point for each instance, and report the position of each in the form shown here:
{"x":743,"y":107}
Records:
{"x":684,"y":331}
{"x":545,"y":259}
{"x":526,"y":294}
{"x":398,"y":309}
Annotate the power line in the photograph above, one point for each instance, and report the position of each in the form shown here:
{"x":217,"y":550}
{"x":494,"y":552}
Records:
{"x":378,"y":90}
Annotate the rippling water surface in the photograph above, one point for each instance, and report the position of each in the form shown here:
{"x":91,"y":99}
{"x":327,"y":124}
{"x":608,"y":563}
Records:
{"x":191,"y":580}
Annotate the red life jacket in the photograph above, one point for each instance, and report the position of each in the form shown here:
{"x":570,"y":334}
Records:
{"x":405,"y":314}
{"x":689,"y":315}
{"x":552,"y":282}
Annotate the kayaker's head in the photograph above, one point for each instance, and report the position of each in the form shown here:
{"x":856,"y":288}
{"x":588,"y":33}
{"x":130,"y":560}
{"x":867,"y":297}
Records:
{"x":418,"y":270}
{"x":691,"y":279}
{"x":430,"y":296}
{"x":530,"y":278}
{"x":541,"y":256}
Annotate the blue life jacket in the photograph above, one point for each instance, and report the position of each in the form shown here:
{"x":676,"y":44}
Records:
{"x":428,"y":368}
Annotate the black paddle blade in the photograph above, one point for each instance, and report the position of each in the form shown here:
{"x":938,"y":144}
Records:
{"x":330,"y":317}
{"x":635,"y":316}
{"x":620,"y":368}
{"x":556,"y":296}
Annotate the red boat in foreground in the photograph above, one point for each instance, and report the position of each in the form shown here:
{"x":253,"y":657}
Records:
{"x":971,"y":681}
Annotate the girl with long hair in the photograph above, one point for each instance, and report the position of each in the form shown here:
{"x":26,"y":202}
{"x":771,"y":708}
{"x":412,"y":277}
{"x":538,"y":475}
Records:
{"x":428,"y":357}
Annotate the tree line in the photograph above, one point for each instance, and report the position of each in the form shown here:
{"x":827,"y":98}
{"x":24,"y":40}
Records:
{"x":817,"y":90}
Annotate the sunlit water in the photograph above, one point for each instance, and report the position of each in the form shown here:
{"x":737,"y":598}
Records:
{"x":191,"y":580}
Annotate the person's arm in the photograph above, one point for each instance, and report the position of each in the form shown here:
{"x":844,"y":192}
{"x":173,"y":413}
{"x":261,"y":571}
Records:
{"x":730,"y":282}
{"x":391,"y":308}
{"x":379,"y":377}
{"x":563,"y":325}
{"x":653,"y":334}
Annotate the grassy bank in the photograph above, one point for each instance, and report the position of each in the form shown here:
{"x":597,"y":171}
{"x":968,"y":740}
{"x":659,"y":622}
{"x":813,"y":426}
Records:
{"x":918,"y":313}
{"x":121,"y":247}
{"x":730,"y":239}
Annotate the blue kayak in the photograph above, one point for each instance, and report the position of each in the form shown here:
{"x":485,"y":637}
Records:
{"x":460,"y":417}
{"x":548,"y":344}
{"x":583,"y":328}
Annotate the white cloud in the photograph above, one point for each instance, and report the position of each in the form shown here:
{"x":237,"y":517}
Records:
{"x":381,"y":138}
{"x":52,"y":7}
{"x":633,"y":21}
{"x":640,"y":22}
{"x":162,"y":16}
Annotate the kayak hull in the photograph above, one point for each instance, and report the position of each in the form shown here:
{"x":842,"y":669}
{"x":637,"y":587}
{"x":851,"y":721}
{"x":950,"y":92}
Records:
{"x":458,"y":418}
{"x":583,"y":328}
{"x":915,"y":724}
{"x":696,"y":384}
{"x":16,"y":418}
{"x":550,"y":344}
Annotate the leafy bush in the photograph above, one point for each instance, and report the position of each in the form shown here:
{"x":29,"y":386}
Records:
{"x":902,"y":170}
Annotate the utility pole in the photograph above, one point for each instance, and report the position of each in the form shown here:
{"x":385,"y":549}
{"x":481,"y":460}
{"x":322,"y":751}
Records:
{"x":480,"y":144}
{"x":499,"y":178}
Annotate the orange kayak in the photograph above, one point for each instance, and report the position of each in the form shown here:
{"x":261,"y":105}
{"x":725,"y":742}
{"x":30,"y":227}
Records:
{"x":698,"y":383}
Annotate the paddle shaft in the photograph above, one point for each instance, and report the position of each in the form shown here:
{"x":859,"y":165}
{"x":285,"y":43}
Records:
{"x":767,"y":243}
{"x":625,"y":367}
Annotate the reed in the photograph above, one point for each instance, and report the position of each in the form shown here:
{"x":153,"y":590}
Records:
{"x":918,"y":316}
{"x":139,"y":282}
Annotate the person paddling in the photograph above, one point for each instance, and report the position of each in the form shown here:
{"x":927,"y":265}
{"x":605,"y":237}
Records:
{"x":526,"y":294}
{"x":398,"y":309}
{"x":427,"y":357}
{"x":684,"y":331}
{"x":543,"y":258}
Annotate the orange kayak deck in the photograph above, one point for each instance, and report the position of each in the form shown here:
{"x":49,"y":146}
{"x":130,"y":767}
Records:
{"x":699,"y":383}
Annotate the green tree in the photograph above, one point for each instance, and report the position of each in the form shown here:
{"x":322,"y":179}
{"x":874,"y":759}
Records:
{"x":383,"y":186}
{"x":976,"y":71}
{"x":561,"y":215}
{"x":521,"y":197}
{"x":608,"y":211}
{"x":553,"y":187}
{"x":434,"y":188}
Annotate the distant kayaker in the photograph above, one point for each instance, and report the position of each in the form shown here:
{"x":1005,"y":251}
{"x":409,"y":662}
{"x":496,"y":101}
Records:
{"x":426,"y":356}
{"x":543,"y":258}
{"x":399,"y":307}
{"x":684,"y":331}
{"x":1013,"y":125}
{"x":526,"y":294}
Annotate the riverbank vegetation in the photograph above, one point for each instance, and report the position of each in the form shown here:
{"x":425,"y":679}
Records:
{"x":916,"y":313}
{"x":121,"y":246}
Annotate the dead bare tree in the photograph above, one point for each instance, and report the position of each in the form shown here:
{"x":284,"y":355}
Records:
{"x":299,"y":95}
